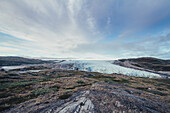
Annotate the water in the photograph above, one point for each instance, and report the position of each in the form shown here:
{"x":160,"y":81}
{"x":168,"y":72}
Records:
{"x":7,"y":68}
{"x":108,"y":68}
{"x":29,"y":71}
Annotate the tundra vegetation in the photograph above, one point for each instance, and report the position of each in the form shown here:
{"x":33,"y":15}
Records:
{"x":62,"y":84}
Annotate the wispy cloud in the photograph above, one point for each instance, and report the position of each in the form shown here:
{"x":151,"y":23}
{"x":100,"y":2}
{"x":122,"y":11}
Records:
{"x":76,"y":28}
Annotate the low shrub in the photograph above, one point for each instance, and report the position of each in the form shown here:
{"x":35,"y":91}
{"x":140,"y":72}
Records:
{"x":161,"y":89}
{"x":66,"y":94}
{"x":142,"y":88}
{"x":157,"y":93}
{"x":80,"y":82}
{"x":41,"y":91}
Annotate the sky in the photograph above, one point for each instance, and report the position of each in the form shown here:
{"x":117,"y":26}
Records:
{"x":85,"y":29}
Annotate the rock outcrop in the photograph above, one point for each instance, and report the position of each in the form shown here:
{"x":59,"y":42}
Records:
{"x":99,"y":98}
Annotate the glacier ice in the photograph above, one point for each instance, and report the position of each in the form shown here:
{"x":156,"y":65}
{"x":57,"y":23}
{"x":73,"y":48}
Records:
{"x":108,"y":68}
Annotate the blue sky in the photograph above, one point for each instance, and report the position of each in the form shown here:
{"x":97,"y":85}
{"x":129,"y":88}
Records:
{"x":86,"y":29}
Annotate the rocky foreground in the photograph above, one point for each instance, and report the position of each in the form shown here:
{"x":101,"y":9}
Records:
{"x":100,"y":98}
{"x":69,"y":91}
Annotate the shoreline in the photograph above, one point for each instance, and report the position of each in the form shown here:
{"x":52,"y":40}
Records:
{"x":129,"y":65}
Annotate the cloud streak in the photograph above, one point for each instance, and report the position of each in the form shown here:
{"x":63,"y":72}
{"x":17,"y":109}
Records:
{"x":95,"y":29}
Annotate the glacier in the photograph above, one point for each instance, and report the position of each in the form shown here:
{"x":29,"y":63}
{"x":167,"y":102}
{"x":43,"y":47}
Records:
{"x":108,"y":67}
{"x":101,"y":66}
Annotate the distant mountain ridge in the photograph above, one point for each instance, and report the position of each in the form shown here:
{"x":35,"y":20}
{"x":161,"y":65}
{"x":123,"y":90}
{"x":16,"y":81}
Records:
{"x":147,"y":63}
{"x":15,"y":60}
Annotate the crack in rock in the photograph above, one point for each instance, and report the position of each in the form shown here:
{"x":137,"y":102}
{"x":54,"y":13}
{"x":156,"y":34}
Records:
{"x":81,"y":104}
